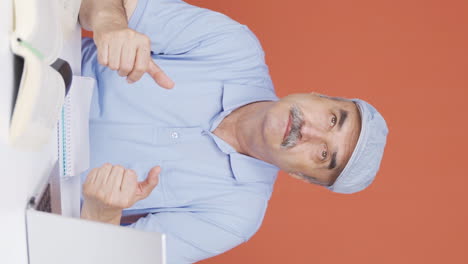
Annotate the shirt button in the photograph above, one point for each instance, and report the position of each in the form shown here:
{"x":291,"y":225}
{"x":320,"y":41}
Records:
{"x":174,"y":135}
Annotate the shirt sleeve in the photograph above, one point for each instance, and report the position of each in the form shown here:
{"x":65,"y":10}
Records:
{"x":204,"y":39}
{"x":189,"y":237}
{"x":88,"y":57}
{"x":89,"y":68}
{"x":176,"y":27}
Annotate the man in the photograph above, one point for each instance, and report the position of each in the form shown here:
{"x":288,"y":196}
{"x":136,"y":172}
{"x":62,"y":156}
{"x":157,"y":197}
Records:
{"x":198,"y":162}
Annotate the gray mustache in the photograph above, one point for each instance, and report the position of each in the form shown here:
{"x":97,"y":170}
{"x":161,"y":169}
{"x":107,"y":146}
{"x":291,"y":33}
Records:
{"x":296,"y":125}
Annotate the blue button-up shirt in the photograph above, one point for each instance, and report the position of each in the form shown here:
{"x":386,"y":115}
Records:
{"x":210,"y":198}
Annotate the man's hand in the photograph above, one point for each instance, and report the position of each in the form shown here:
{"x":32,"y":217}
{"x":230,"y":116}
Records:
{"x":110,"y":189}
{"x":120,"y":48}
{"x":124,"y":50}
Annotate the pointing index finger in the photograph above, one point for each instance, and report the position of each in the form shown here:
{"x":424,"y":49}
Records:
{"x":159,"y":76}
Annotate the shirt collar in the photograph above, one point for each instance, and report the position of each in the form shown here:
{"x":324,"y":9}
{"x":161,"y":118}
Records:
{"x":236,"y":95}
{"x":248,"y":169}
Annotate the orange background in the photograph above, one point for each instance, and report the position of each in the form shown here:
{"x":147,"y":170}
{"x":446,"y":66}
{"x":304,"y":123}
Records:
{"x":409,"y":58}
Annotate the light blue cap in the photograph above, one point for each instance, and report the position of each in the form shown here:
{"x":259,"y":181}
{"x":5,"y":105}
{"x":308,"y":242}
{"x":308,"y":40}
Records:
{"x":364,"y":163}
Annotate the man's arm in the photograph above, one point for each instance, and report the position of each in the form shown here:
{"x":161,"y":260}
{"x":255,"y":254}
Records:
{"x":119,"y":47}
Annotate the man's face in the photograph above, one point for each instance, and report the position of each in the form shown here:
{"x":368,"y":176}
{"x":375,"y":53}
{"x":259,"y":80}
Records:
{"x":311,"y":135}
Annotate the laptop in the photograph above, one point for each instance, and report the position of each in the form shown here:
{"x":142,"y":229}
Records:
{"x":54,"y":238}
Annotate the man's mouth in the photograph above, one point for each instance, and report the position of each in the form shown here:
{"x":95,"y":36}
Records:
{"x":293,"y":130}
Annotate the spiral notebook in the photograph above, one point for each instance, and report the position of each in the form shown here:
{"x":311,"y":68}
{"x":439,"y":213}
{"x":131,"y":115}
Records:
{"x":59,"y":192}
{"x":73,"y":143}
{"x":73,"y":128}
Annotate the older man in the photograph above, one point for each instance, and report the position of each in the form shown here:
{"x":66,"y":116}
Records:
{"x":198,"y":162}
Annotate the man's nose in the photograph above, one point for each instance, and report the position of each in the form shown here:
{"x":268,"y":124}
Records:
{"x":312,"y":133}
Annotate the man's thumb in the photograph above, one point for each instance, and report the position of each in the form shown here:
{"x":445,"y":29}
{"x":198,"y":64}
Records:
{"x":152,"y":179}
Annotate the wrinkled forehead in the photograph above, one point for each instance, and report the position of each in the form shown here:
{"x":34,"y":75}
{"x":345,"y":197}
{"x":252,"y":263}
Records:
{"x":354,"y":131}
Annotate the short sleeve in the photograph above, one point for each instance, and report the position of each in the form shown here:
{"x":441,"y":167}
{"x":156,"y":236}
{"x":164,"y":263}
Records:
{"x":88,"y":58}
{"x":189,"y":237}
{"x":203,"y":39}
{"x":89,"y":66}
{"x":176,"y":27}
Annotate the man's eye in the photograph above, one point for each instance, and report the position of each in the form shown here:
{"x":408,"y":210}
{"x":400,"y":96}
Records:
{"x":333,"y":121}
{"x":324,"y":154}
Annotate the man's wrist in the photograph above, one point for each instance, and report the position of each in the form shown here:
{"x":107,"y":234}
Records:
{"x":101,"y":214}
{"x":94,"y":13}
{"x":109,"y":18}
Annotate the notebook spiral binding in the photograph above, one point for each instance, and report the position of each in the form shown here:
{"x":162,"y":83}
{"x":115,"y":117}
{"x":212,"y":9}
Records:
{"x":65,"y":138}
